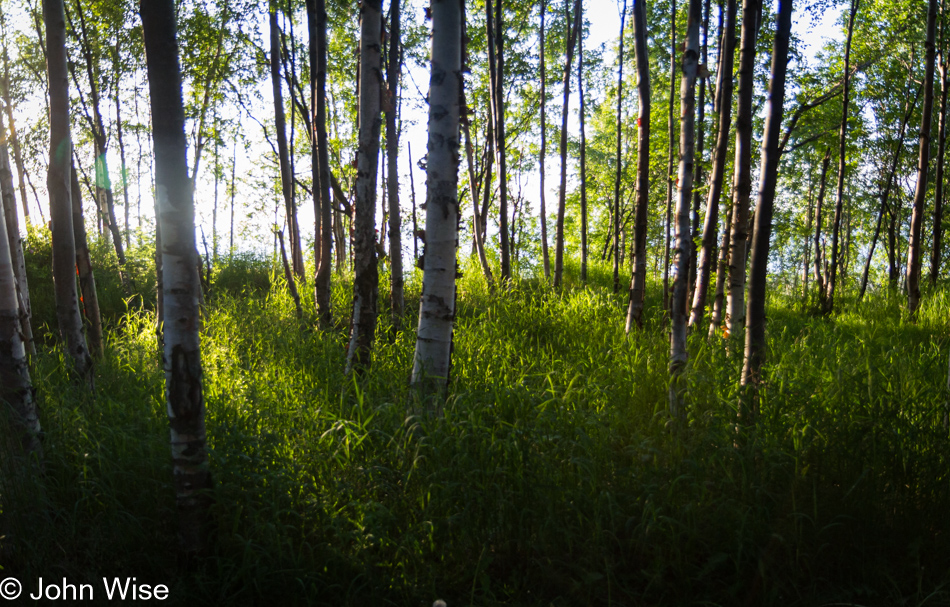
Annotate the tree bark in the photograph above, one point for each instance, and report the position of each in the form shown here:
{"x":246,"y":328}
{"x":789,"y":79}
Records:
{"x":16,"y":389}
{"x":700,"y":143}
{"x":923,"y":164}
{"x":283,"y":152}
{"x":432,"y":358}
{"x":14,"y":137}
{"x":366,"y":273}
{"x":477,"y":217}
{"x":9,"y":215}
{"x":722,"y":265}
{"x":935,"y":252}
{"x":690,"y":69}
{"x":496,"y":61}
{"x":720,"y":158}
{"x":758,"y":271}
{"x":562,"y":190}
{"x":619,"y":165}
{"x":58,"y":185}
{"x":819,"y":273}
{"x":544,"y":147}
{"x":322,"y":199}
{"x":669,"y":161}
{"x":392,"y":156}
{"x":175,"y":200}
{"x":742,"y":180}
{"x":638,"y":280}
{"x":89,"y":297}
{"x":583,"y":167}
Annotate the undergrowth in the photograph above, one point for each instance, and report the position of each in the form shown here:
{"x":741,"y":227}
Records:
{"x":553,"y":477}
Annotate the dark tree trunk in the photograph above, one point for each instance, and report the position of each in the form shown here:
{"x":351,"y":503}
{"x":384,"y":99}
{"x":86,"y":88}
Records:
{"x":700,"y":143}
{"x":638,"y":280}
{"x":544,"y":148}
{"x":758,"y":271}
{"x":923,"y":164}
{"x":936,"y":252}
{"x":175,"y":199}
{"x":322,"y":199}
{"x":283,"y":152}
{"x":735,"y":305}
{"x":392,"y":156}
{"x":829,"y":302}
{"x":562,"y":190}
{"x":619,"y":161}
{"x":89,"y":297}
{"x":669,"y":160}
{"x":720,"y":158}
{"x":819,"y":273}
{"x":496,"y":61}
{"x":583,"y":167}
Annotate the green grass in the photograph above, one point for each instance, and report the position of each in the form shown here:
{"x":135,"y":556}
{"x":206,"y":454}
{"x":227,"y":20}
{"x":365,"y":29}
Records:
{"x":553,"y":477}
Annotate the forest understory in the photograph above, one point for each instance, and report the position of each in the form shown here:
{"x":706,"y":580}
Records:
{"x":553,"y":477}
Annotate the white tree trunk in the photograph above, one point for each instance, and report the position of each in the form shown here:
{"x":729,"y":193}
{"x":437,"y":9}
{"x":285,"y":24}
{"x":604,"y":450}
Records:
{"x":684,"y":246}
{"x":432,"y":359}
{"x":15,"y":386}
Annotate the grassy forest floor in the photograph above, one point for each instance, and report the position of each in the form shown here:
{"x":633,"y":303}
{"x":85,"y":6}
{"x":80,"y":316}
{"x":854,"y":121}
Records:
{"x":552,"y":478}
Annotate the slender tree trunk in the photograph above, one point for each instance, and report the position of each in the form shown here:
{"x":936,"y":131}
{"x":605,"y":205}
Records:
{"x":638,"y":281}
{"x":887,"y":189}
{"x":89,"y":297}
{"x":322,"y":199}
{"x":580,"y":97}
{"x":392,"y":155}
{"x":415,"y":224}
{"x":58,"y":185}
{"x":669,"y":161}
{"x":722,"y":265}
{"x":289,"y":276}
{"x":432,"y":359}
{"x":16,"y":389}
{"x":496,"y":60}
{"x":822,"y":183}
{"x":935,"y":252}
{"x":544,"y":147}
{"x":619,"y":160}
{"x":366,"y":273}
{"x":720,"y":158}
{"x":477,"y":218}
{"x":829,"y":301}
{"x":700,"y":142}
{"x":125,"y":172}
{"x":562,"y":191}
{"x":923,"y":163}
{"x":678,"y":354}
{"x":9,"y":218}
{"x":283,"y":152}
{"x":758,"y":271}
{"x":742,"y":180}
{"x":14,"y":138}
{"x":104,"y":195}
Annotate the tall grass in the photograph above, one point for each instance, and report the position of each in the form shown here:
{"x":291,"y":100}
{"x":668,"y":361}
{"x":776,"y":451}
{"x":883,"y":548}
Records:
{"x":553,"y":477}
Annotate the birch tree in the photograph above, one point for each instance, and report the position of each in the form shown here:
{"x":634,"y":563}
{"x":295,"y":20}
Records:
{"x":690,"y":69}
{"x":432,"y":359}
{"x":366,"y":274}
{"x":176,"y":217}
{"x":58,"y":185}
{"x":16,"y":389}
